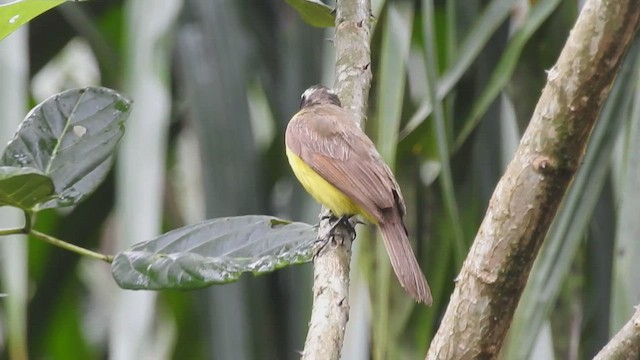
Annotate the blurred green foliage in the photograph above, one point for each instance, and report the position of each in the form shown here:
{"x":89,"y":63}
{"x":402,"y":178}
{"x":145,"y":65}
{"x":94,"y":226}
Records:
{"x":17,"y":13}
{"x":455,"y":82}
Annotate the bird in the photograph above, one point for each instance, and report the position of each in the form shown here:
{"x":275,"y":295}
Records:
{"x":340,"y":167}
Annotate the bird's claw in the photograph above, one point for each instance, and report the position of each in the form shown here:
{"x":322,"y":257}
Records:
{"x":343,"y":220}
{"x":334,"y":223}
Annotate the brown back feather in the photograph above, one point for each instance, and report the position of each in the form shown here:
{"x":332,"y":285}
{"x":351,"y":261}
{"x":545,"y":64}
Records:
{"x":327,"y":139}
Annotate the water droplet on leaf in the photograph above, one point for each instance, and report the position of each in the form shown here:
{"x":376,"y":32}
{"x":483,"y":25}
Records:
{"x":79,"y":130}
{"x":69,"y":197}
{"x":22,"y":159}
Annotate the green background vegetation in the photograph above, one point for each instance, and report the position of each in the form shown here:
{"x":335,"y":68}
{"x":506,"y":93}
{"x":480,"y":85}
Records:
{"x":214,"y":84}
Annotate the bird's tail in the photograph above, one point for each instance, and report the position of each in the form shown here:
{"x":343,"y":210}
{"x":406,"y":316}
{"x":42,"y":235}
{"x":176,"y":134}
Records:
{"x":404,"y":261}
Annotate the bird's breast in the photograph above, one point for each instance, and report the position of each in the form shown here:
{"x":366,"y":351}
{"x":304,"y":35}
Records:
{"x":322,"y":191}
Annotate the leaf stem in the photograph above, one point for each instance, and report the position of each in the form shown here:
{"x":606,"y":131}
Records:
{"x":28,"y":216}
{"x":28,"y":229}
{"x":28,"y":221}
{"x":67,"y":246}
{"x":12,"y":231}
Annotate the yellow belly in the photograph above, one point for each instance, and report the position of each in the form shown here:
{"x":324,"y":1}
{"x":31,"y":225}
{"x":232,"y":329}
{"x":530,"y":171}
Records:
{"x":321,"y":190}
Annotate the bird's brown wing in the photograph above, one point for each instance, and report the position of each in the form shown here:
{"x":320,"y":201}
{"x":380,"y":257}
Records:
{"x":327,"y":139}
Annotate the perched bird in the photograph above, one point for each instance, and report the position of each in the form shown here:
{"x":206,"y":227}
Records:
{"x":339,"y":166}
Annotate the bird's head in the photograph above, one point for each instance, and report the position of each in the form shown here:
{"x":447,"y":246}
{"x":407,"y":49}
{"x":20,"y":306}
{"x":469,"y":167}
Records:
{"x":318,"y":95}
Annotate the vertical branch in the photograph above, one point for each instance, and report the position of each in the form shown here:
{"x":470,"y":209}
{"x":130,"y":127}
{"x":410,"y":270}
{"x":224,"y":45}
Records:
{"x":353,"y":55}
{"x":529,"y":194}
{"x":331,"y":265}
{"x":330,"y":310}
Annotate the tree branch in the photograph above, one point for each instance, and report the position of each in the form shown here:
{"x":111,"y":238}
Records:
{"x":353,"y":55}
{"x":330,"y":310}
{"x":626,"y":343}
{"x":529,"y":194}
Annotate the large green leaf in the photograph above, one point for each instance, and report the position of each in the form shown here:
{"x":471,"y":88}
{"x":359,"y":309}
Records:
{"x":71,"y":137}
{"x":24,"y":187}
{"x":216,"y":251}
{"x":18,"y":13}
{"x":314,"y":12}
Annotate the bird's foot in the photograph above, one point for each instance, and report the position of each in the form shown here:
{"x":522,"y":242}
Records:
{"x":343,"y":220}
{"x":332,"y":235}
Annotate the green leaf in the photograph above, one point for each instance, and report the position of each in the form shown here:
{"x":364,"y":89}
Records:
{"x":476,"y":39}
{"x":439,"y":126}
{"x":396,"y":39}
{"x":314,"y":12}
{"x":24,"y":187}
{"x":216,"y":251}
{"x":503,"y":71}
{"x":625,"y":290}
{"x":18,"y":13}
{"x":71,"y":137}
